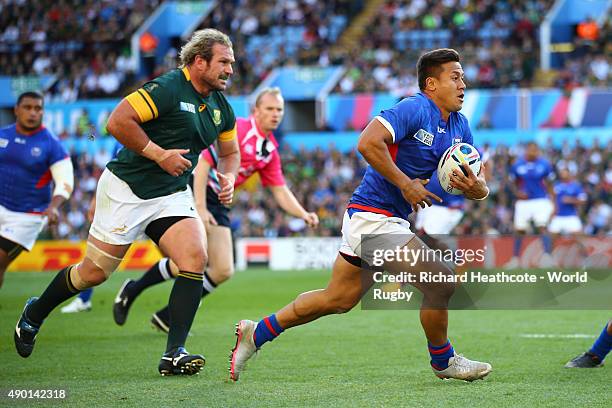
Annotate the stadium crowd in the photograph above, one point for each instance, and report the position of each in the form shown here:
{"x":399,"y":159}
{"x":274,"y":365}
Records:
{"x":498,"y":41}
{"x":324,"y":179}
{"x":84,"y":45}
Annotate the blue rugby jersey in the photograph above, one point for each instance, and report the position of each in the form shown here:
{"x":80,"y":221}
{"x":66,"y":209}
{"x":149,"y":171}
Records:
{"x":25,"y":175}
{"x":420,"y":137}
{"x":530,"y":175}
{"x":568,"y":189}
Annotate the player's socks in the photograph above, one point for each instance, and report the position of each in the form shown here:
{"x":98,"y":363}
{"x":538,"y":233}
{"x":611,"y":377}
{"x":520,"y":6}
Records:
{"x":547,"y":243}
{"x":86,"y":295}
{"x":156,"y":274}
{"x":440,"y":355}
{"x":184,"y":300}
{"x":602,"y":345}
{"x":267,"y":330}
{"x":59,"y":290}
{"x":516,"y":250}
{"x":207,"y":287}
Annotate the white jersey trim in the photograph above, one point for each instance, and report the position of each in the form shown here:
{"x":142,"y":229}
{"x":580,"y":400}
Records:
{"x":386,"y":124}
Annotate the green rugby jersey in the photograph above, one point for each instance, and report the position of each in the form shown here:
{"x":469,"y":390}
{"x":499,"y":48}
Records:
{"x":174,"y":116}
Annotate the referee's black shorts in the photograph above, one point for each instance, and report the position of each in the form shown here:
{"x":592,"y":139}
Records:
{"x":218,"y":210}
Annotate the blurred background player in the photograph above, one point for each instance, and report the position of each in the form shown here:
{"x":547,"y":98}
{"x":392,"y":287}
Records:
{"x":532,"y":175}
{"x":568,"y":195}
{"x":82,"y":303}
{"x":258,"y":154}
{"x":30,"y":158}
{"x":402,"y":146}
{"x":597,"y":353}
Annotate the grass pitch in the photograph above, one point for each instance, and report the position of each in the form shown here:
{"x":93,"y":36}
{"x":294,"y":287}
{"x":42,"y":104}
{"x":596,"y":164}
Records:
{"x":363,"y":358}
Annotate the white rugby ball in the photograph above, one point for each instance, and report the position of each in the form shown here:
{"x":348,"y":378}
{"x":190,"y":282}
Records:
{"x":452,"y":159}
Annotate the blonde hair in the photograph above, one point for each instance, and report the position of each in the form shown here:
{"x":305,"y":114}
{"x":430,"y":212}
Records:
{"x":268,"y":90}
{"x":201,"y":43}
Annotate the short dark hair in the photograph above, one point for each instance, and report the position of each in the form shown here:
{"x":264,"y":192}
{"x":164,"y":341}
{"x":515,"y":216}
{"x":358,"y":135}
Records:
{"x":429,"y":64}
{"x":29,"y":94}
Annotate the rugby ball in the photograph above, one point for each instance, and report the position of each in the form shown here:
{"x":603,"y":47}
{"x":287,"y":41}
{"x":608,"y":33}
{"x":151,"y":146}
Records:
{"x":452,"y":159}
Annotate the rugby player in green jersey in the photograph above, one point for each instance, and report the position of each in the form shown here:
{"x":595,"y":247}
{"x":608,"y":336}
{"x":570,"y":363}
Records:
{"x":144,"y":191}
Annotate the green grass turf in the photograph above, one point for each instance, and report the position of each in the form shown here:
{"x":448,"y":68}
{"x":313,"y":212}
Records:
{"x":363,"y":358}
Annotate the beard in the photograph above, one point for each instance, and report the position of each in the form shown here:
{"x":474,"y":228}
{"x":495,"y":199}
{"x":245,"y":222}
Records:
{"x":214,"y":84}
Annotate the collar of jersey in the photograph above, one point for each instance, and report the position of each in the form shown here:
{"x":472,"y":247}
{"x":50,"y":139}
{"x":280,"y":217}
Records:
{"x":257,"y":129}
{"x":32,"y":133}
{"x":440,"y":120}
{"x":186,"y":73}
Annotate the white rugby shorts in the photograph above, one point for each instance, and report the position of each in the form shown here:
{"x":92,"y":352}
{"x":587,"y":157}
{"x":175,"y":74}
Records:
{"x":538,"y":209}
{"x":565,"y":224}
{"x":21,"y":228}
{"x":438,"y":220}
{"x":121,"y":217}
{"x":384,"y":233}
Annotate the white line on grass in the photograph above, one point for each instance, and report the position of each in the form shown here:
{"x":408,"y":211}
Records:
{"x":558,"y":336}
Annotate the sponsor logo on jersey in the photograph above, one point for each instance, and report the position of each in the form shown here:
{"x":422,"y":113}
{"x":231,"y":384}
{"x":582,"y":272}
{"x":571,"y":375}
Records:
{"x":20,"y":140}
{"x":36,"y":151}
{"x":187,"y":107}
{"x":217,"y":117}
{"x":3,"y":142}
{"x":424,"y":137}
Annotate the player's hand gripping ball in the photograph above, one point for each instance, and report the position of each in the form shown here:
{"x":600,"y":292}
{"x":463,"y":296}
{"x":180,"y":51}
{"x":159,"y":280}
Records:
{"x":452,"y":159}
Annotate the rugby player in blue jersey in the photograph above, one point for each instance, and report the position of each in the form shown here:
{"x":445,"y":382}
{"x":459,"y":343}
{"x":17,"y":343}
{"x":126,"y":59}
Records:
{"x":402,"y":146}
{"x":533,"y":189}
{"x":569,"y":195}
{"x":30,"y":158}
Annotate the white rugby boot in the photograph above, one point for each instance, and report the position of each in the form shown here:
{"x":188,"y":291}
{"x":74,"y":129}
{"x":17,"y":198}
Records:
{"x":244,"y":348}
{"x":76,"y":306}
{"x":461,"y":368}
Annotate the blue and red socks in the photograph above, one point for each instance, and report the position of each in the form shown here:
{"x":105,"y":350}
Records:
{"x":516,"y":249}
{"x":602,"y":345}
{"x":267,"y":330}
{"x":440,"y":355}
{"x":86,"y":295}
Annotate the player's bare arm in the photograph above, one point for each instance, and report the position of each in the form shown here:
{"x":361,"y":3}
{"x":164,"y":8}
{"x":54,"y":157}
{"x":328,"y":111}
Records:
{"x":229,"y":163}
{"x":474,"y":187}
{"x":287,"y":201}
{"x":124,"y":125}
{"x":200,"y":179}
{"x":373,"y":145}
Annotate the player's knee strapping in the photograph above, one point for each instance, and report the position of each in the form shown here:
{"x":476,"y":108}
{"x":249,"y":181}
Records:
{"x":75,"y":279}
{"x":102,"y":260}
